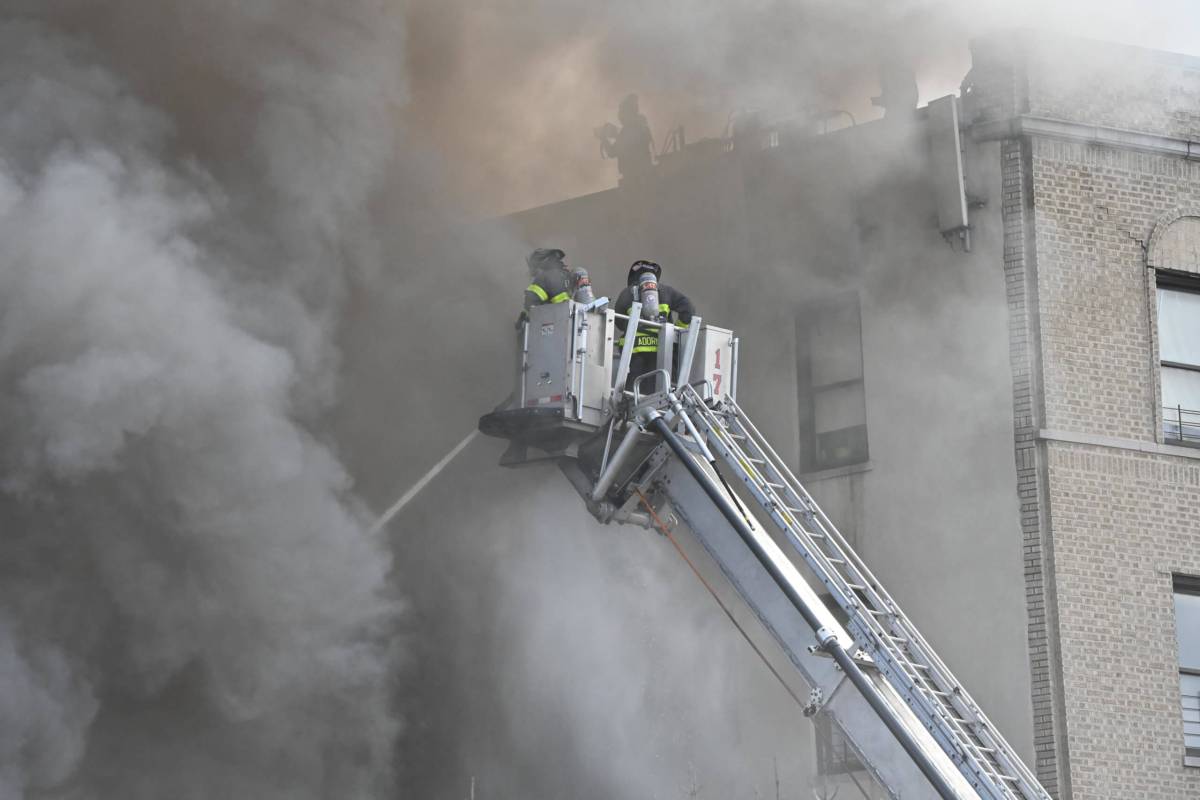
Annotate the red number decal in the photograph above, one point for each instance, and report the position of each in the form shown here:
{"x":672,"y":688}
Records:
{"x":718,"y":366}
{"x":717,"y":381}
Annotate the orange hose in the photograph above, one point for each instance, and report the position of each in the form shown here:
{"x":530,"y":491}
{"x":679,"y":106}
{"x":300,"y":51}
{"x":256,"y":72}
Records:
{"x":679,"y":548}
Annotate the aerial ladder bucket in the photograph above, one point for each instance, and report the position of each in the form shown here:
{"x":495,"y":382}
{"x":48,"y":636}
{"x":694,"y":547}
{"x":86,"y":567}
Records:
{"x":665,"y":450}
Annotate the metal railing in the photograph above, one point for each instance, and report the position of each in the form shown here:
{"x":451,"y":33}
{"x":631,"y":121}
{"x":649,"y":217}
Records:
{"x":1181,"y":425}
{"x":1191,"y":723}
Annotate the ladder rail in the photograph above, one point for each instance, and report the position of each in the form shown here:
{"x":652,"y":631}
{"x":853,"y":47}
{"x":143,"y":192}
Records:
{"x":937,"y":687}
{"x":823,"y":564}
{"x":982,"y":737}
{"x":971,"y":751}
{"x":846,"y":555}
{"x":811,"y":551}
{"x":811,"y":505}
{"x":901,"y":652}
{"x":828,"y":528}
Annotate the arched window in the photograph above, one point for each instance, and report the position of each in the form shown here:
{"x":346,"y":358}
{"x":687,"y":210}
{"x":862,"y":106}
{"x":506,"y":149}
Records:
{"x":1174,"y":253}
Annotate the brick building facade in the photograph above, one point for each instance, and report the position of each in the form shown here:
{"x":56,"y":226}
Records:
{"x":1101,"y":173}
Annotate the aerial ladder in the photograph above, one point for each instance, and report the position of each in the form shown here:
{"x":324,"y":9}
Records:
{"x":673,"y":450}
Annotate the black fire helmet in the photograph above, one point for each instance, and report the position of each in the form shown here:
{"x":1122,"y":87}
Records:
{"x":544,"y":257}
{"x":640,"y":266}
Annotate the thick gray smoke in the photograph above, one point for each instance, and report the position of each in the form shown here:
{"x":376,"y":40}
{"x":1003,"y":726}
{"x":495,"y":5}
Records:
{"x":559,"y":658}
{"x":511,"y":90}
{"x":188,"y":604}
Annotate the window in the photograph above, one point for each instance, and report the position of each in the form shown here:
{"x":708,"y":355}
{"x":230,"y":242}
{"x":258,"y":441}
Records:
{"x":1179,"y":351}
{"x":1187,"y":631}
{"x":833,"y":413}
{"x":834,"y":754}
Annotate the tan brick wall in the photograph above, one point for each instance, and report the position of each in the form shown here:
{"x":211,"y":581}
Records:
{"x":1119,"y":521}
{"x":1095,"y":209}
{"x":1122,"y":522}
{"x":1101,"y":83}
{"x":1104,"y":526}
{"x":1020,"y":271}
{"x":1079,"y":80}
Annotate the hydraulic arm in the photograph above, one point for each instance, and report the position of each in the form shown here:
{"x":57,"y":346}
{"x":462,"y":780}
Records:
{"x":677,"y":455}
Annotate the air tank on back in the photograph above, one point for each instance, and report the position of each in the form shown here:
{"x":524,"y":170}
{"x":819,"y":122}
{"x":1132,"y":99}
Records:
{"x":583,"y":287}
{"x":646,"y":291}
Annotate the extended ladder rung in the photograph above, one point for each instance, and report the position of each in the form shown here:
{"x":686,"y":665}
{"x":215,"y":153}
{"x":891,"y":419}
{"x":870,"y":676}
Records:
{"x":947,"y":710}
{"x":896,"y":648}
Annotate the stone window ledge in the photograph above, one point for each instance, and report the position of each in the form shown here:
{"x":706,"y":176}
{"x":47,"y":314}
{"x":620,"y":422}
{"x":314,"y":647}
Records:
{"x":1119,"y":443}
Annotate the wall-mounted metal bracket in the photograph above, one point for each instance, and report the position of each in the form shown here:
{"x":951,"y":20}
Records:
{"x":816,"y":699}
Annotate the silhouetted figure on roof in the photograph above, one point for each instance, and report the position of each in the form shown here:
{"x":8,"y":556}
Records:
{"x":898,"y":93}
{"x":631,"y":145}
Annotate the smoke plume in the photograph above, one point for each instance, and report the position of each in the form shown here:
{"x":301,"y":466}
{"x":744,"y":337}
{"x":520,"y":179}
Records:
{"x":189,"y":606}
{"x":190,"y":193}
{"x":565,"y":659}
{"x":510,"y":91}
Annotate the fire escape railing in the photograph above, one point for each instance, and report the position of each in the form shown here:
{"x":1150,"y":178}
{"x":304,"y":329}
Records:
{"x":1190,"y":705}
{"x":1181,"y":425}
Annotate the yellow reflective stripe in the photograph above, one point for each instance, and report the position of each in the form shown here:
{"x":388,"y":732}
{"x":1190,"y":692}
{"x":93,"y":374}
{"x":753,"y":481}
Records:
{"x":645,"y":343}
{"x":539,"y":291}
{"x":561,"y":297}
{"x":666,"y":312}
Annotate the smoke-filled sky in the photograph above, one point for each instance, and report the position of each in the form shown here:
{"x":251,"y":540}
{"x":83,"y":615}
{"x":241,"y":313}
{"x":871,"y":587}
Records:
{"x":508,"y":92}
{"x":189,"y":606}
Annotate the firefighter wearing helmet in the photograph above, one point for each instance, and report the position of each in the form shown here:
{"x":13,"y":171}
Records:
{"x":552,"y":281}
{"x":660,"y":303}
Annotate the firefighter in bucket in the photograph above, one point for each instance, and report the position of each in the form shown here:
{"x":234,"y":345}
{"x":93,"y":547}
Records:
{"x":660,"y":303}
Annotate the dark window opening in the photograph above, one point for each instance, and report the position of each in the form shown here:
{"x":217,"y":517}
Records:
{"x":834,"y":754}
{"x":1179,"y":356}
{"x":829,"y":370}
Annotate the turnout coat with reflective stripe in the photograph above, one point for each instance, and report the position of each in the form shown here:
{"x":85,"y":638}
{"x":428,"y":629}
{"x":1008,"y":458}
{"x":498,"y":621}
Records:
{"x":671,"y":301}
{"x":553,"y":285}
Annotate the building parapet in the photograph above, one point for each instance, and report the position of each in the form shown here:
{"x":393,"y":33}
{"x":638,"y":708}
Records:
{"x":1029,"y":125}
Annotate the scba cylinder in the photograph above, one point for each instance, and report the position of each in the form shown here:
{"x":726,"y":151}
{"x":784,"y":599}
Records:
{"x":647,"y":293}
{"x":583,"y":287}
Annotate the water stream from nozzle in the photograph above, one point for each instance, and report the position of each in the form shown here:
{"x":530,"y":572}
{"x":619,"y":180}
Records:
{"x":416,"y":488}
